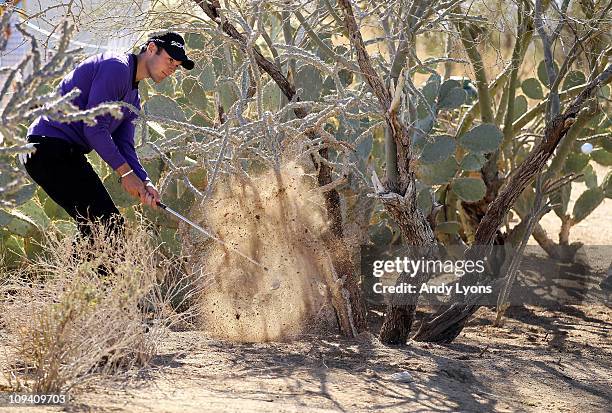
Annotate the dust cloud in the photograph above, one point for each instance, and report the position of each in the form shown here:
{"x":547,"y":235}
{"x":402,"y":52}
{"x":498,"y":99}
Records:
{"x":277,"y":220}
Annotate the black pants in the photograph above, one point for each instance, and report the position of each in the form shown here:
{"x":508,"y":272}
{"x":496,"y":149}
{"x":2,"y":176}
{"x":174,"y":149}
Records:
{"x":63,"y":172}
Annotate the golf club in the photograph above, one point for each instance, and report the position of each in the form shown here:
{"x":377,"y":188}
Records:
{"x":207,"y":233}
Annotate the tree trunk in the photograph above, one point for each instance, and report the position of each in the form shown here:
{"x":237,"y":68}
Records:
{"x":399,"y":198}
{"x":562,"y":251}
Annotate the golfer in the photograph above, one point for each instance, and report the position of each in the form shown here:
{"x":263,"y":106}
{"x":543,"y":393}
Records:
{"x":59,"y":164}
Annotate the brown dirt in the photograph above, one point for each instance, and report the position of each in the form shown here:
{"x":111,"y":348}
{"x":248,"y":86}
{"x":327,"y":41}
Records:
{"x":541,"y":360}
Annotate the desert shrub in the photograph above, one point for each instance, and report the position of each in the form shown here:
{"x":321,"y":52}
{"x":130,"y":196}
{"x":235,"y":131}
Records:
{"x":89,"y":307}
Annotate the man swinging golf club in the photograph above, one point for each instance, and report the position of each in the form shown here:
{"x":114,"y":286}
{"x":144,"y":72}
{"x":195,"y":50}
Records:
{"x":59,"y":164}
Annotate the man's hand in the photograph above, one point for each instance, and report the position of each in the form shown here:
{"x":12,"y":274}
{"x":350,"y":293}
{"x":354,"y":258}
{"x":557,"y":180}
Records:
{"x":152,"y":194}
{"x":135,"y":187}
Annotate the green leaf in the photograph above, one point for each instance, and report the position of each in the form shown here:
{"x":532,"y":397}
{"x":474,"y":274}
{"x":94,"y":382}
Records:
{"x":469,"y":189}
{"x":218,"y":63}
{"x":543,"y":74}
{"x":572,"y":79}
{"x":520,"y":106}
{"x":227,"y":95}
{"x":33,"y":210}
{"x":346,"y":77}
{"x":165,"y":107}
{"x":587,"y":202}
{"x":451,"y":95}
{"x":603,"y":92}
{"x":454,"y":99}
{"x":606,"y":123}
{"x":606,"y":143}
{"x":183,"y":101}
{"x":207,"y":78}
{"x":309,"y":79}
{"x":21,"y":225}
{"x":524,"y":202}
{"x":22,"y":195}
{"x":165,"y":87}
{"x":426,"y":69}
{"x":121,"y":198}
{"x":154,"y":168}
{"x":328,"y":86}
{"x":422,"y":112}
{"x":11,"y":251}
{"x":146,"y":152}
{"x":575,"y":162}
{"x":143,"y":91}
{"x":430,"y":91}
{"x":99,"y":165}
{"x":54,"y":211}
{"x":560,"y":199}
{"x":439,"y":150}
{"x":590,"y":177}
{"x":177,"y":199}
{"x":447,"y":86}
{"x":199,"y":178}
{"x":195,"y":93}
{"x":380,"y":234}
{"x":436,"y":80}
{"x":594,"y":122}
{"x":468,"y":86}
{"x":195,"y":41}
{"x":41,"y":195}
{"x":364,"y":149}
{"x":340,"y":50}
{"x":33,"y":248}
{"x":602,"y":157}
{"x":449,"y":227}
{"x":532,"y":88}
{"x":424,"y":201}
{"x":438,"y":173}
{"x":425,"y":124}
{"x":43,"y":89}
{"x":472,"y":162}
{"x":271,"y":96}
{"x":484,"y":138}
{"x":200,"y":120}
{"x":5,"y":218}
{"x":607,"y":185}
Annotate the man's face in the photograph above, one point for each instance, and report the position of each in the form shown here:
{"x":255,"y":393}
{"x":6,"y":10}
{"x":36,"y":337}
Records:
{"x":161,"y":65}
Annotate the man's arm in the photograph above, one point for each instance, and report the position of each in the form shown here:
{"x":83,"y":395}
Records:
{"x":124,"y":139}
{"x":105,"y":87}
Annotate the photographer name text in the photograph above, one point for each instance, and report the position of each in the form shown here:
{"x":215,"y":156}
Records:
{"x":441,"y":289}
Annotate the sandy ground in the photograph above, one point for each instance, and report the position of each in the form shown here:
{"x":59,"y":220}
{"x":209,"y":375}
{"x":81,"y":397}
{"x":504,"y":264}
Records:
{"x":540,"y":360}
{"x":554,"y":358}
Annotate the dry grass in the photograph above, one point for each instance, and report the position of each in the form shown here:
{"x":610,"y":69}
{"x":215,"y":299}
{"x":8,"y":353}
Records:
{"x":85,"y":309}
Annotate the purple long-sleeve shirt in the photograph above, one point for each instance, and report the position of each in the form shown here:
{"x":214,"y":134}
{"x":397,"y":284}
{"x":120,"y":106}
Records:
{"x":107,"y":77}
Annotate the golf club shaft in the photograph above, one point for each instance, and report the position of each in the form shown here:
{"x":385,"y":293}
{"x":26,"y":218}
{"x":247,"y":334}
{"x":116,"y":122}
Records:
{"x":207,"y":233}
